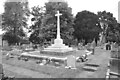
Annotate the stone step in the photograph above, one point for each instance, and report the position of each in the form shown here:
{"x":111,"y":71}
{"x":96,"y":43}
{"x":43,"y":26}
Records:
{"x":92,"y":65}
{"x":90,"y":68}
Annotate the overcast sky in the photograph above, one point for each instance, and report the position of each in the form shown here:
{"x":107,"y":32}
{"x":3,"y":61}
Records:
{"x":79,"y":5}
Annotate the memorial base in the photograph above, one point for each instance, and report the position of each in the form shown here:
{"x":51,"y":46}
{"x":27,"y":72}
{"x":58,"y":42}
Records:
{"x":58,"y":48}
{"x":57,"y":53}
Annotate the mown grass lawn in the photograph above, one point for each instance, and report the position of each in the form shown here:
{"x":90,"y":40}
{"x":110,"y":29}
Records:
{"x":62,"y":72}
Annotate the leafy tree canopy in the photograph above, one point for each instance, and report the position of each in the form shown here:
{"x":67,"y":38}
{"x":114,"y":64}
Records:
{"x":86,"y":26}
{"x":109,"y":26}
{"x":46,"y":22}
{"x":14,"y":19}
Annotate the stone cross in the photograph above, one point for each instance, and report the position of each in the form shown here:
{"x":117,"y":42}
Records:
{"x":58,"y":24}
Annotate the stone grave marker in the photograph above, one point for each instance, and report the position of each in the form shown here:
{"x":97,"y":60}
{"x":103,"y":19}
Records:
{"x":112,"y":46}
{"x":71,"y":62}
{"x":87,"y":46}
{"x":80,"y":46}
{"x":93,"y":45}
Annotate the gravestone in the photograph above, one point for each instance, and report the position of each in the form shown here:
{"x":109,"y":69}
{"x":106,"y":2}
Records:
{"x":4,"y":43}
{"x":71,"y":62}
{"x":80,"y":46}
{"x":88,"y":46}
{"x":7,"y":55}
{"x":93,"y":45}
{"x":114,"y":46}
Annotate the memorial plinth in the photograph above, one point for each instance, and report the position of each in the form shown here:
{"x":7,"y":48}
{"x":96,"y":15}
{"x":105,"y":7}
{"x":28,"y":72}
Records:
{"x":58,"y":47}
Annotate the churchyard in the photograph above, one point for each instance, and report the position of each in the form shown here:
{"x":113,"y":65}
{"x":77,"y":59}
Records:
{"x":94,"y":67}
{"x":61,"y":61}
{"x":59,"y":45}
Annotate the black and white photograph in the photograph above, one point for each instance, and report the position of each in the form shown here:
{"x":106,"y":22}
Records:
{"x":60,"y":39}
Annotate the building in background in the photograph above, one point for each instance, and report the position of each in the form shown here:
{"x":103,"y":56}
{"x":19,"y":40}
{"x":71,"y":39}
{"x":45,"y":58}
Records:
{"x":119,"y":12}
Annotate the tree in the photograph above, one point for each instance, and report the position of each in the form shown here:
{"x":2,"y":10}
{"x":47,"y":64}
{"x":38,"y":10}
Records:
{"x":66,"y":21}
{"x":46,"y":22}
{"x":14,"y":19}
{"x":109,"y":26}
{"x":86,"y":26}
{"x":36,"y":28}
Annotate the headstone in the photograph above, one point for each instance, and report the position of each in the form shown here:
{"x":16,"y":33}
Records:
{"x":7,"y":56}
{"x":93,"y":45}
{"x":112,"y":46}
{"x":5,"y":43}
{"x":80,"y":46}
{"x":71,"y":62}
{"x":44,"y":61}
{"x":88,"y":46}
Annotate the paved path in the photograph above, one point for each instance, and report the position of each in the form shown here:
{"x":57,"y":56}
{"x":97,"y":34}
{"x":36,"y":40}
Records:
{"x":25,"y":72}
